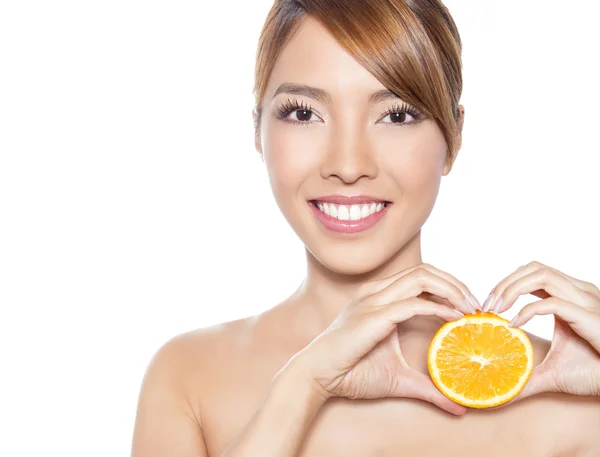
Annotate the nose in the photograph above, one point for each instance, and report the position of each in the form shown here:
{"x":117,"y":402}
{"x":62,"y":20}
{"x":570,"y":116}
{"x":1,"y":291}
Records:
{"x":349,"y":156}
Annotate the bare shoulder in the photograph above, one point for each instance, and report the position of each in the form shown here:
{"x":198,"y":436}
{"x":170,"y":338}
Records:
{"x":229,"y":357}
{"x":198,"y":355}
{"x":168,"y":417}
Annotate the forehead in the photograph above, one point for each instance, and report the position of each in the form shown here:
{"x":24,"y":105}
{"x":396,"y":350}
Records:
{"x":314,"y":57}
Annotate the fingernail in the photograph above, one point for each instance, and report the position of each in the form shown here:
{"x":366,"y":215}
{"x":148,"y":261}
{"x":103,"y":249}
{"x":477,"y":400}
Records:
{"x":498,"y":305}
{"x":476,"y":302}
{"x":514,"y":319}
{"x":488,"y":301}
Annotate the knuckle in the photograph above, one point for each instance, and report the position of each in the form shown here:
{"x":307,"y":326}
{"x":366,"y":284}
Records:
{"x":509,"y":290}
{"x":421,"y":275}
{"x":545,"y":274}
{"x":535,"y":264}
{"x":529,"y":309}
{"x":588,"y":298}
{"x":592,"y":287}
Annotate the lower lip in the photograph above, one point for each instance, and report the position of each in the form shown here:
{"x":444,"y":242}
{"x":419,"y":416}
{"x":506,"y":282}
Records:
{"x":349,"y":227}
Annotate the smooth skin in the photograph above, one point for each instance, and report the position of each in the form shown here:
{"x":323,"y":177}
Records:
{"x":339,"y":368}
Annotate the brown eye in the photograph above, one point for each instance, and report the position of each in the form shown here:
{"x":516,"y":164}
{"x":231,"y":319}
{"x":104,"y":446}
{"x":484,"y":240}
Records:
{"x":302,"y":115}
{"x":403,"y":115}
{"x":398,"y":117}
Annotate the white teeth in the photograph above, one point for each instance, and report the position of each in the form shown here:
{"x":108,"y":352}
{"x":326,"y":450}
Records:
{"x":343,"y":213}
{"x":350,"y":212}
{"x":355,"y":212}
{"x":333,"y":210}
{"x":364,"y":211}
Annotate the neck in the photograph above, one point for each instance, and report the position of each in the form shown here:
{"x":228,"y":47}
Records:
{"x":325,"y":293}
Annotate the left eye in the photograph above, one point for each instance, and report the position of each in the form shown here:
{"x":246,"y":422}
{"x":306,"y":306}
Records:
{"x":398,"y":117}
{"x":302,"y":115}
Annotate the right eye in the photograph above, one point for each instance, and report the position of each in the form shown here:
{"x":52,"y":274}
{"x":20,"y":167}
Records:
{"x":301,"y":112}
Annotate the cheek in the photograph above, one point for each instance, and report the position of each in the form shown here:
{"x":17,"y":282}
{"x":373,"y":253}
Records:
{"x":416,"y":161}
{"x":291,"y":154}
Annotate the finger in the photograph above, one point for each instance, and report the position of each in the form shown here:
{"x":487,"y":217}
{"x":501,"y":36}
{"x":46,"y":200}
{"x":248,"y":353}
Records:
{"x":380,"y":322}
{"x":377,"y":286}
{"x":372,"y":287}
{"x":583,"y":285}
{"x":419,"y":281}
{"x":491,"y":303}
{"x":368,"y":326}
{"x":548,"y":280}
{"x":475,"y":305}
{"x":419,"y":386}
{"x":541,"y":381}
{"x":402,"y":310}
{"x":583,"y":321}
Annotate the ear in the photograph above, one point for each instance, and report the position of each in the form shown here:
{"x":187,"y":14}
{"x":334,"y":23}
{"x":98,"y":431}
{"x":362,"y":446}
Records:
{"x":450,"y":160}
{"x":256,"y":121}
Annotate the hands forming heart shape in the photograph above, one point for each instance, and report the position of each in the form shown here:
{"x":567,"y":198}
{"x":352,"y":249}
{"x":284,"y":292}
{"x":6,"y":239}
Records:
{"x":359,"y":355}
{"x":572,"y":365}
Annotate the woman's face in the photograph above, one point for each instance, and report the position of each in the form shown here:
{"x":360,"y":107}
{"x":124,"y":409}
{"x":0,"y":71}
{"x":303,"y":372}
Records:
{"x":342,"y":144}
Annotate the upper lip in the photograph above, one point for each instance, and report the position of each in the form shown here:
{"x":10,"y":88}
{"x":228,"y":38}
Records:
{"x":347,"y":200}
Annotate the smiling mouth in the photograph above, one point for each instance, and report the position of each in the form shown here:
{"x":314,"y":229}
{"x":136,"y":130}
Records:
{"x":354,"y":212}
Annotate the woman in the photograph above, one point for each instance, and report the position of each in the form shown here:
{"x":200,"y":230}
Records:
{"x":357,"y":119}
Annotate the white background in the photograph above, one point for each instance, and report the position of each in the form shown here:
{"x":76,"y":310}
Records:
{"x":133,"y":205}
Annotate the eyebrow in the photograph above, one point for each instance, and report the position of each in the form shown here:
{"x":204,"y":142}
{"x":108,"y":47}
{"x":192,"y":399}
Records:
{"x":323,"y":96}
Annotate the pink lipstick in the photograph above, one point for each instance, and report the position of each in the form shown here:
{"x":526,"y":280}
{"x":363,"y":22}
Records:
{"x":349,"y":215}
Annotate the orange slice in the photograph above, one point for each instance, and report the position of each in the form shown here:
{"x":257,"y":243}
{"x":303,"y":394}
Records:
{"x":479,"y":361}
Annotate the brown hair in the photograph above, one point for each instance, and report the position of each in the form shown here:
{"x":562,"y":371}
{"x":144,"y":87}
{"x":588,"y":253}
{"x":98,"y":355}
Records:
{"x":411,"y":46}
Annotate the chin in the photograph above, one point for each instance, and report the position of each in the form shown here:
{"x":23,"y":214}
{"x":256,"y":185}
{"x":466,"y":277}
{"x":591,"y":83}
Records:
{"x":353,"y":260}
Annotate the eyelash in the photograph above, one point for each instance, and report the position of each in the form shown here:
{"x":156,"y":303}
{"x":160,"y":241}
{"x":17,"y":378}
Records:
{"x":283,"y":111}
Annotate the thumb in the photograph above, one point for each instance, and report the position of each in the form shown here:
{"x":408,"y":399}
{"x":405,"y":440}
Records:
{"x":419,"y":386}
{"x":541,"y":381}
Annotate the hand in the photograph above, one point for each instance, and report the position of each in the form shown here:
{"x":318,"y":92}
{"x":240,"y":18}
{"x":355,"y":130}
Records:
{"x":359,"y":354}
{"x":573,"y":363}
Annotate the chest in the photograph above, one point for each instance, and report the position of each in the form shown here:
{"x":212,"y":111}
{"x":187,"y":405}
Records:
{"x":403,"y":427}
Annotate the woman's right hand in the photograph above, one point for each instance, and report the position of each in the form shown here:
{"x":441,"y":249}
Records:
{"x":359,"y":356}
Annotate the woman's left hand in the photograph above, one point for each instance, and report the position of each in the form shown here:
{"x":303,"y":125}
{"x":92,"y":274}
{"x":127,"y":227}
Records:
{"x":573,"y":363}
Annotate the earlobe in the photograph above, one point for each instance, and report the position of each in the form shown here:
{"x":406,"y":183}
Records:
{"x":256,"y":122}
{"x":447,"y":166}
{"x":257,"y":144}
